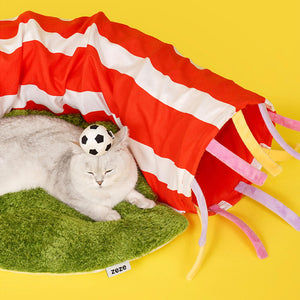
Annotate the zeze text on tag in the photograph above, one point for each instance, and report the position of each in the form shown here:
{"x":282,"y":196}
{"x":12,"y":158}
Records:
{"x":118,"y":269}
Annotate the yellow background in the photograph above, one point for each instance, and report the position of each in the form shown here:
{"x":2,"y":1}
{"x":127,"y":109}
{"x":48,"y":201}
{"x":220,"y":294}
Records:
{"x":257,"y":44}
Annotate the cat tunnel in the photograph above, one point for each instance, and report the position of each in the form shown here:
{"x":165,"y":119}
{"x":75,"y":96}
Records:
{"x":200,"y":140}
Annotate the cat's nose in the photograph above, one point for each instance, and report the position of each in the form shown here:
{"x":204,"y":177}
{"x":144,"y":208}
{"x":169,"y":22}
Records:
{"x":100,"y":182}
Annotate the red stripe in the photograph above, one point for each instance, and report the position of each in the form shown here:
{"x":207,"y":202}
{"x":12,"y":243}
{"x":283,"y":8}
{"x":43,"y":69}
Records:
{"x":89,"y":118}
{"x":95,"y":116}
{"x":9,"y":29}
{"x":163,"y":56}
{"x":31,"y":105}
{"x":150,"y":121}
{"x":9,"y":80}
{"x":51,"y":72}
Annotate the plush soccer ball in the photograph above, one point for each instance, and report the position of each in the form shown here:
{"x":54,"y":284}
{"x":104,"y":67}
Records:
{"x":96,"y":140}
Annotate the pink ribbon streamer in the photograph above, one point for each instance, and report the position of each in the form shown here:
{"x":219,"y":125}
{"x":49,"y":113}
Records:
{"x":203,"y":211}
{"x":258,"y":245}
{"x":284,"y":121}
{"x":271,"y":203}
{"x":236,"y":163}
{"x":274,"y":132}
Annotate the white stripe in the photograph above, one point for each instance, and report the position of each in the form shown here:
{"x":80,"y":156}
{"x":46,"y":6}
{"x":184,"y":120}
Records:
{"x":113,"y":56}
{"x":224,"y":205}
{"x":10,"y":19}
{"x":269,"y":105}
{"x":85,"y":102}
{"x":163,"y":168}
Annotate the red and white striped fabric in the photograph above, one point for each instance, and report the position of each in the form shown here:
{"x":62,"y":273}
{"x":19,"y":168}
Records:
{"x":107,"y":70}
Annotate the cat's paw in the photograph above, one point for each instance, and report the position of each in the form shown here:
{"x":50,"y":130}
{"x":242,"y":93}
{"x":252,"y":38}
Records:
{"x":142,"y":202}
{"x":112,"y":216}
{"x":139,"y":200}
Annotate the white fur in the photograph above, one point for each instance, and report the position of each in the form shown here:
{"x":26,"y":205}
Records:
{"x":39,"y":151}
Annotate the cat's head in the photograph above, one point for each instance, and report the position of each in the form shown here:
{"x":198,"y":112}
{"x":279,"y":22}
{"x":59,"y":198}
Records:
{"x":105,"y":170}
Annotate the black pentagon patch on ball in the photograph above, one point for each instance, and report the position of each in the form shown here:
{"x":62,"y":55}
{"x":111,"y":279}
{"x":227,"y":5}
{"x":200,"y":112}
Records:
{"x":99,"y":138}
{"x":93,"y":152}
{"x":94,"y":126}
{"x":84,"y":140}
{"x":108,"y":147}
{"x":111,"y":134}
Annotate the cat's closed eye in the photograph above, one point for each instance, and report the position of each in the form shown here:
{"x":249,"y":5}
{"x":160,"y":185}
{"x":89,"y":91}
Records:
{"x":92,"y":173}
{"x":108,"y":171}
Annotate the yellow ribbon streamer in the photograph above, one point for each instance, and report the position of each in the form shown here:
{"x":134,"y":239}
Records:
{"x":255,"y":149}
{"x":197,"y":265}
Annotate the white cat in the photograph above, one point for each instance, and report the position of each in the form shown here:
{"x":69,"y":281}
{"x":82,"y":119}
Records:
{"x":39,"y":151}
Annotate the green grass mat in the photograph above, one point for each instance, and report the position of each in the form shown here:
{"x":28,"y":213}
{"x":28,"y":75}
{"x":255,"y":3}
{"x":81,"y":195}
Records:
{"x":40,"y":234}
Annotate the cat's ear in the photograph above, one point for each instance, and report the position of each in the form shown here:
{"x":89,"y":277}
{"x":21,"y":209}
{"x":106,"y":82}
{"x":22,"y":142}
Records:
{"x":76,"y":147}
{"x":121,"y":137}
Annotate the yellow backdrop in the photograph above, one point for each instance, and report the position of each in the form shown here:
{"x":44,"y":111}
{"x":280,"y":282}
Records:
{"x":257,"y":44}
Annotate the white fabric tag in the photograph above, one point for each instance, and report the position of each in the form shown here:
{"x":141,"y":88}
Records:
{"x":224,"y":205}
{"x":118,"y":269}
